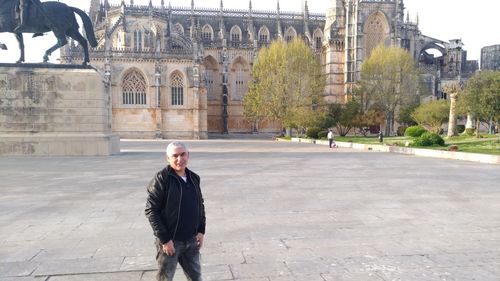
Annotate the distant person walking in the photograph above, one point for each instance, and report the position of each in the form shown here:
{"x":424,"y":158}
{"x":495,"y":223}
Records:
{"x":176,"y":212}
{"x":331,"y":143}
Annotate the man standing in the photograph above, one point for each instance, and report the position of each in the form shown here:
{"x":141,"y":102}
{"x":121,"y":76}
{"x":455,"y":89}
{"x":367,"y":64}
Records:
{"x":176,"y":212}
{"x":330,"y":138}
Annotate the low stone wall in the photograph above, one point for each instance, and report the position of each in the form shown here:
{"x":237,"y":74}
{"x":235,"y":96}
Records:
{"x":475,"y":157}
{"x":54,"y":110}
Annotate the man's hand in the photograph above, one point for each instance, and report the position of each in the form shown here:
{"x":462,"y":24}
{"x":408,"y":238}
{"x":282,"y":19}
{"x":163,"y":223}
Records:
{"x":168,"y":248}
{"x":199,"y":240}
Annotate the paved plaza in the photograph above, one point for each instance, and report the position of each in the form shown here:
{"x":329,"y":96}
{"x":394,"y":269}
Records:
{"x":276,"y":211}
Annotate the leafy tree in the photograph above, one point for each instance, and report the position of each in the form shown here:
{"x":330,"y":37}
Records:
{"x":287,"y":85}
{"x":481,"y":97}
{"x":404,"y":114}
{"x":343,"y":117}
{"x":431,"y":115}
{"x":389,"y":78}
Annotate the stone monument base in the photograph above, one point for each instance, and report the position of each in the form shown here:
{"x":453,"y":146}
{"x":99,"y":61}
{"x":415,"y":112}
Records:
{"x":54,"y":110}
{"x":59,"y":144}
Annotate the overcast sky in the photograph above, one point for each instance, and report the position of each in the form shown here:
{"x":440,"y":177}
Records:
{"x":476,"y":22}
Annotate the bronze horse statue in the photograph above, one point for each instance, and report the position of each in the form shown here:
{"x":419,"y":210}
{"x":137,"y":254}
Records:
{"x":49,"y":16}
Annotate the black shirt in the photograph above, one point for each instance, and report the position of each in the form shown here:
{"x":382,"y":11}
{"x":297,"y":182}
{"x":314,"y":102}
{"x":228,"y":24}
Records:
{"x":189,"y":217}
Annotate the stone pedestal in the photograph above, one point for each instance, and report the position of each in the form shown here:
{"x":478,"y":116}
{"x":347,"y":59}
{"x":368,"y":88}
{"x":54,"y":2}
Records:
{"x":57,"y":110}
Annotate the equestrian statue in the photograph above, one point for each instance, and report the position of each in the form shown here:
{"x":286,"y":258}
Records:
{"x":33,"y":16}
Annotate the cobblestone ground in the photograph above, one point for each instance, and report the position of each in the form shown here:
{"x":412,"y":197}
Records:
{"x":276,"y":211}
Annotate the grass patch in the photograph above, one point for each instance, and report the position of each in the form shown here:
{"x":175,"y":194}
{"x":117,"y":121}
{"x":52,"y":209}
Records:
{"x":486,"y":144}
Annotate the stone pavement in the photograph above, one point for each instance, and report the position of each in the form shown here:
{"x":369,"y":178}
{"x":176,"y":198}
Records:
{"x":276,"y":211}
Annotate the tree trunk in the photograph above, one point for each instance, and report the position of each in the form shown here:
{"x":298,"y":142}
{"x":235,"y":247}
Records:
{"x":478,"y":123}
{"x":452,"y":122}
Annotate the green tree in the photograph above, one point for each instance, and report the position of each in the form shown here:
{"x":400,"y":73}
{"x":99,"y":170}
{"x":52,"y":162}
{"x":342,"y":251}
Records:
{"x":343,"y":117}
{"x":389,"y":78}
{"x":431,"y":115}
{"x":481,"y":97}
{"x":287,"y":85}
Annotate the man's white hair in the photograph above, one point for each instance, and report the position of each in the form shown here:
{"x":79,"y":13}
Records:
{"x":173,"y":145}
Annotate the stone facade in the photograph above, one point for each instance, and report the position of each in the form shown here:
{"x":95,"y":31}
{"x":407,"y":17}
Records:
{"x":183,"y":71}
{"x":57,"y":110}
{"x":490,"y":57}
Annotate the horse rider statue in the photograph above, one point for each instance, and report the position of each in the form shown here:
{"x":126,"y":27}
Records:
{"x":22,"y":9}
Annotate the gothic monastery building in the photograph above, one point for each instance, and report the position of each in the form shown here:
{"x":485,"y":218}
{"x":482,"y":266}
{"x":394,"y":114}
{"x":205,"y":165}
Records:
{"x":182,"y":72}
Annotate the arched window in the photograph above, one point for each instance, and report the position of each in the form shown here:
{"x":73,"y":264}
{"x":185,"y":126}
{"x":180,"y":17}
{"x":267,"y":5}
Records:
{"x":376,"y":32}
{"x":235,"y":34}
{"x":177,"y":88}
{"x":134,"y":88}
{"x":240,"y":72}
{"x":290,"y":34}
{"x":240,"y":82}
{"x":264,"y":34}
{"x":212,"y":78}
{"x":148,"y":39}
{"x":137,"y":40}
{"x":207,"y":33}
{"x":318,"y":39}
{"x":209,"y":76}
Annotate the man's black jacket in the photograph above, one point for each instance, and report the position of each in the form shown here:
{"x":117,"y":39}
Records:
{"x":163,"y":203}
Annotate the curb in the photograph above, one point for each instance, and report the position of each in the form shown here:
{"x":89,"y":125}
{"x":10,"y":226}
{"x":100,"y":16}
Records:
{"x":455,"y":155}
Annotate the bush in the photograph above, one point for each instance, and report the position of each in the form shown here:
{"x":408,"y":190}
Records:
{"x":401,"y":130}
{"x":312,"y":132}
{"x":322,"y":134}
{"x":429,"y":139}
{"x":415,"y":131}
{"x":470,"y":131}
{"x":460,"y":128}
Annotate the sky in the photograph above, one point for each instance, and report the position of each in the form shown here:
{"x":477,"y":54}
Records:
{"x":476,"y":23}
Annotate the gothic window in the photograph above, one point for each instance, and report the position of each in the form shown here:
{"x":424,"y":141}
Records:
{"x":239,"y":76}
{"x":137,"y":40}
{"x":207,"y":33}
{"x":133,"y":88}
{"x":212,"y":77}
{"x":235,"y":34}
{"x":264,"y":34}
{"x":240,"y":82}
{"x":148,"y":39}
{"x":290,"y":34}
{"x":318,"y":39}
{"x":177,"y":88}
{"x":376,"y":32}
{"x":209,"y":76}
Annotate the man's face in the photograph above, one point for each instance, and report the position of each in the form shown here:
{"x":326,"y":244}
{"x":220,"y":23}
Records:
{"x":178,"y":158}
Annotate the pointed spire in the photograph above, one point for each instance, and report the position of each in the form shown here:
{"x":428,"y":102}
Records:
{"x":417,"y":19}
{"x":150,"y":3}
{"x":306,"y":11}
{"x":250,"y":5}
{"x":407,"y":16}
{"x":192,"y":4}
{"x":221,"y":5}
{"x":162,"y":3}
{"x":131,"y":2}
{"x":278,"y":6}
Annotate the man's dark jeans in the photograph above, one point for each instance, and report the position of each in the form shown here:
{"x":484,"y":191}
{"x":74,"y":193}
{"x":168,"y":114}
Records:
{"x":188,"y":256}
